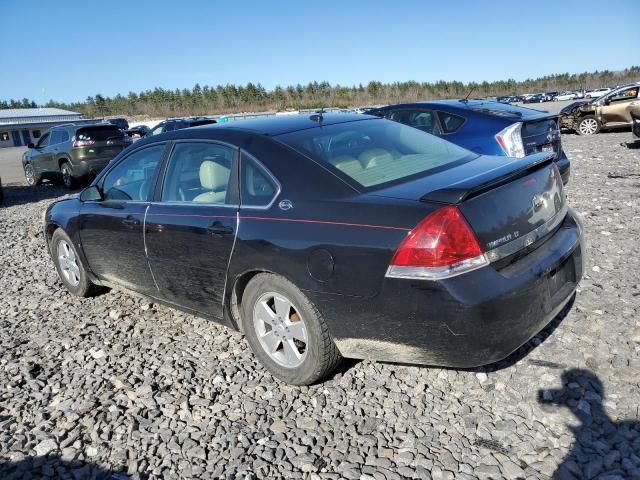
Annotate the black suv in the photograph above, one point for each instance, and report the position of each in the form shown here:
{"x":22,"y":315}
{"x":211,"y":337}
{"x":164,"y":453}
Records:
{"x":178,"y":124}
{"x":73,"y":152}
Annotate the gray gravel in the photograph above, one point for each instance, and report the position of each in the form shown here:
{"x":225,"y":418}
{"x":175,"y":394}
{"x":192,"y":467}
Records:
{"x":115,"y":387}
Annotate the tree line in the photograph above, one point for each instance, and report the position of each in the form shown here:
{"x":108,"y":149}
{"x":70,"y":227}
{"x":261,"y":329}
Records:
{"x":208,"y":100}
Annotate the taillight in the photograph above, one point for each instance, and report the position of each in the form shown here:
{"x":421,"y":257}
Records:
{"x":83,"y":143}
{"x":510,"y":140}
{"x":440,"y":246}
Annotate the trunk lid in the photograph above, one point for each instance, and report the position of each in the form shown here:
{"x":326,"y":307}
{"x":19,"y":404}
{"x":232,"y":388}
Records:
{"x":100,"y":141}
{"x":514,"y":202}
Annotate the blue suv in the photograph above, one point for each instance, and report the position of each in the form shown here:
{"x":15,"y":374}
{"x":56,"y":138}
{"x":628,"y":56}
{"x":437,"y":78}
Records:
{"x":485,"y":127}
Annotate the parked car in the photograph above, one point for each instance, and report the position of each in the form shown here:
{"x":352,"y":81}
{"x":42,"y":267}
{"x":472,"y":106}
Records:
{"x":563,"y":96}
{"x":538,"y":98}
{"x":138,"y":131}
{"x":549,"y":96}
{"x":179,"y":123}
{"x":610,"y":111}
{"x":120,"y":122}
{"x":488,"y":128}
{"x":73,"y":153}
{"x":598,"y":92}
{"x":329,"y":236}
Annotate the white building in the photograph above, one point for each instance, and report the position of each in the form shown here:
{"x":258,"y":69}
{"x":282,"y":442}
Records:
{"x":22,"y":126}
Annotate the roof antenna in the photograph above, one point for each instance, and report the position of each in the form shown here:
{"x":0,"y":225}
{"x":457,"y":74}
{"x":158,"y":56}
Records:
{"x":318,"y":115}
{"x":466,"y":99}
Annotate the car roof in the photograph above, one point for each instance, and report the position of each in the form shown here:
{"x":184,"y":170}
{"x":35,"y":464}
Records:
{"x":482,"y":106}
{"x":278,"y":125}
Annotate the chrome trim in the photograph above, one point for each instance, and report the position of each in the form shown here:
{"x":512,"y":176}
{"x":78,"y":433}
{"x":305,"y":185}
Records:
{"x":188,"y":203}
{"x":530,"y":238}
{"x":226,"y":276}
{"x":268,"y":172}
{"x":144,"y":241}
{"x":437,"y":273}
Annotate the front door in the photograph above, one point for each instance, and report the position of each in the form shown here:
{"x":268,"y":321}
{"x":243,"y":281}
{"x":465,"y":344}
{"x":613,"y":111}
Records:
{"x":191,"y":228}
{"x":111,"y":230}
{"x":40,"y":155}
{"x":618,"y":111}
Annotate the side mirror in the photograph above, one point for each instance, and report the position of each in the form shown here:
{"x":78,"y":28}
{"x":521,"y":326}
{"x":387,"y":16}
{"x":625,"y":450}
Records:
{"x":607,"y":101}
{"x":91,"y":194}
{"x":31,"y":145}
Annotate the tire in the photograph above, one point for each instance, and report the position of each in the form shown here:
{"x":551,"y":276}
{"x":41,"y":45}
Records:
{"x":31,"y":176}
{"x":74,"y":279}
{"x":67,"y":176}
{"x":588,"y":125}
{"x":316,"y":354}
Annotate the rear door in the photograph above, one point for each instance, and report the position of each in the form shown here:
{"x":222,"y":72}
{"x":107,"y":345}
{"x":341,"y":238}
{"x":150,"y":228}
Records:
{"x":111,"y":230}
{"x":191,"y":225}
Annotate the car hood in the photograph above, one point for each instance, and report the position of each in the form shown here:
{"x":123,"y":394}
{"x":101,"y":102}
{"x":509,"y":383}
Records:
{"x":573,"y":105}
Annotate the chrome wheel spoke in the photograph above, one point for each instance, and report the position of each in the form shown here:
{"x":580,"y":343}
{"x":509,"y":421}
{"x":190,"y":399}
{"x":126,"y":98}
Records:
{"x":291,"y":353}
{"x":282,"y":307}
{"x":271,"y":342}
{"x":296,"y":330}
{"x":264,"y":313}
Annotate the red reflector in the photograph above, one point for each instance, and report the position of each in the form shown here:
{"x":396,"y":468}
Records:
{"x":443,"y":238}
{"x":528,"y":182}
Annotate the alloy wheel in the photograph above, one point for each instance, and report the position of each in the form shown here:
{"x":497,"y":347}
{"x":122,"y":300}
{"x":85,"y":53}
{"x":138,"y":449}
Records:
{"x":588,"y":126}
{"x":68,"y":264}
{"x":29,"y":174}
{"x":280,"y":329}
{"x":66,"y":176}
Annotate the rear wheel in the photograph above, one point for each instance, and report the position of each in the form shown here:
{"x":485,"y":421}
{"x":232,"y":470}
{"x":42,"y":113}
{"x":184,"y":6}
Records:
{"x":286,"y":331}
{"x":588,"y":125}
{"x":67,"y":176}
{"x":30,"y":175}
{"x":70,"y":269}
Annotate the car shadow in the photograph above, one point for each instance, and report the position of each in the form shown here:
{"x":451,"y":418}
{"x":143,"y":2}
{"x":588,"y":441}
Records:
{"x":602,"y":448}
{"x":635,"y":145}
{"x":15,"y":195}
{"x":53,"y":466}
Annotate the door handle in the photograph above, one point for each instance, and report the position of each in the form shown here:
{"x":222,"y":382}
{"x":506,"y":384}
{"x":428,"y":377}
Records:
{"x":130,"y":221}
{"x":218,"y":228}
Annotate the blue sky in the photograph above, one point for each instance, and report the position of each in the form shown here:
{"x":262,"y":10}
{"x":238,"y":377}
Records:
{"x":73,"y":49}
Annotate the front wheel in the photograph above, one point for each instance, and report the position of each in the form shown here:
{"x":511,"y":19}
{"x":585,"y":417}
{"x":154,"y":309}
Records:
{"x":30,"y":175}
{"x":286,"y":331}
{"x":588,"y":125}
{"x":67,"y":176}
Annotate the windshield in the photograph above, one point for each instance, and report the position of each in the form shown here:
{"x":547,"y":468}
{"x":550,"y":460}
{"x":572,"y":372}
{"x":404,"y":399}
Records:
{"x":376,"y":152}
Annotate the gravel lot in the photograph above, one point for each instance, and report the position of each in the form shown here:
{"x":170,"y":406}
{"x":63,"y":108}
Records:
{"x":115,"y":387}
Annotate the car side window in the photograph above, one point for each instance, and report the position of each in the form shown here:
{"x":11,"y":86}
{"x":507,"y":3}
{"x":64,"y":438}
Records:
{"x":44,"y":140}
{"x":627,"y":94}
{"x":199,"y":172}
{"x":258,"y":185}
{"x":64,"y":137}
{"x":158,"y":129}
{"x":449,"y":122}
{"x":131,"y":179}
{"x":424,"y":120}
{"x":56,"y":137}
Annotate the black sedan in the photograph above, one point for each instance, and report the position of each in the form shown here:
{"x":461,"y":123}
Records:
{"x":330,"y":235}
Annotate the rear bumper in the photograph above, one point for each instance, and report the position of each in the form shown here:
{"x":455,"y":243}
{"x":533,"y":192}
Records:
{"x":89,"y":167}
{"x":466,"y":321}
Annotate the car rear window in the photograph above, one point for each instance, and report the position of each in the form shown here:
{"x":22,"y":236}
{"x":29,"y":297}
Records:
{"x":376,"y":152}
{"x":450,"y":122}
{"x":99,"y":134}
{"x":197,"y":123}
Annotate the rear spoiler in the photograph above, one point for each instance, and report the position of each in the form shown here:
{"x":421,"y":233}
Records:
{"x":471,"y":187}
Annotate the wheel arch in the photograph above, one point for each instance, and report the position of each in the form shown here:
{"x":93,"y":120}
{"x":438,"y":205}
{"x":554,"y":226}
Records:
{"x":236,"y":293}
{"x":62,"y":159}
